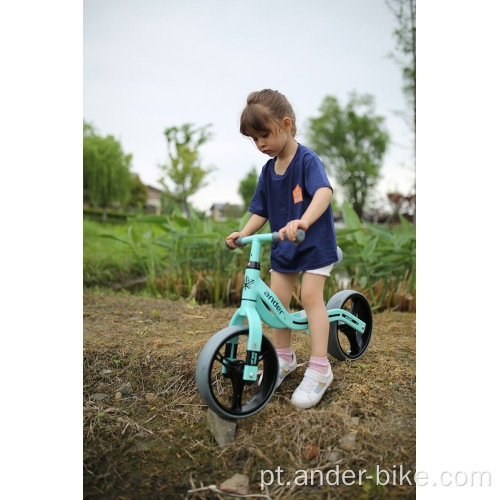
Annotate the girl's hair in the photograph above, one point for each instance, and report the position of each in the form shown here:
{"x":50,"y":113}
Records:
{"x":262,"y":110}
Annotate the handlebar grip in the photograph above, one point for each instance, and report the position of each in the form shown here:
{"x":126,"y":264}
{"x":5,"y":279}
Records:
{"x":237,"y":242}
{"x":301,"y":235}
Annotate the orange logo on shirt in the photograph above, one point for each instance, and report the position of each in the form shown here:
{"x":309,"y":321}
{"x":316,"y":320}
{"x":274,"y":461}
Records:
{"x":297,"y":195}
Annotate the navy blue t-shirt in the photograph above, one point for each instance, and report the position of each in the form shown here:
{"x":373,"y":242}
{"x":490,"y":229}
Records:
{"x":282,"y":198}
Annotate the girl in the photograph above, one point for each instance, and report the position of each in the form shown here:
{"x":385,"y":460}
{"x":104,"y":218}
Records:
{"x":293,"y":192}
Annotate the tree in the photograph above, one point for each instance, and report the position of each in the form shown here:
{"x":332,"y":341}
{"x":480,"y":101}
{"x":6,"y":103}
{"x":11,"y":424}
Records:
{"x":106,"y":175}
{"x":406,"y":43}
{"x":247,"y":187}
{"x":184,"y":167}
{"x":138,"y":193}
{"x":351,"y":141}
{"x":406,"y":36}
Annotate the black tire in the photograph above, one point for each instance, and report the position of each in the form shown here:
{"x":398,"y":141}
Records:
{"x":344,"y":342}
{"x":228,"y":395}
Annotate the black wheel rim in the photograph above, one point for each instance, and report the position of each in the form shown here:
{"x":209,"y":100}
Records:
{"x":229,"y":391}
{"x":352,"y":343}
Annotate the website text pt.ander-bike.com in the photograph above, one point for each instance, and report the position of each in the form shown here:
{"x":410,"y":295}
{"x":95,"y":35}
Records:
{"x":396,"y":477}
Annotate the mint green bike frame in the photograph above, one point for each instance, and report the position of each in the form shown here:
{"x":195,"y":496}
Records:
{"x":258,"y":301}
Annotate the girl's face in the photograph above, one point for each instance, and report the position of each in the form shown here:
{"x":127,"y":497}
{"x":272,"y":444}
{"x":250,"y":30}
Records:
{"x":273,"y":141}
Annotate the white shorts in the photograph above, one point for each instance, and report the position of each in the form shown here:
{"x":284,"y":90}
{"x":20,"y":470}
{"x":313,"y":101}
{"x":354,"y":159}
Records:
{"x":324,"y":271}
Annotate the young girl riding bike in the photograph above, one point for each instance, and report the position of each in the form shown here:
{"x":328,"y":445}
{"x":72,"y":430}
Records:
{"x":293,"y":192}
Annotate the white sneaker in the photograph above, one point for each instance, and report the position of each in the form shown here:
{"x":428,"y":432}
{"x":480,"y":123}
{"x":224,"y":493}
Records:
{"x":312,"y":388}
{"x":286,"y":368}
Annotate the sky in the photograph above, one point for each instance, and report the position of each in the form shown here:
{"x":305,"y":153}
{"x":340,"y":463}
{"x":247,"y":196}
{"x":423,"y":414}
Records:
{"x":154,"y":64}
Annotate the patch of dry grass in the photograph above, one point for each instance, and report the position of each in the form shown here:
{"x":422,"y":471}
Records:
{"x":155,"y":444}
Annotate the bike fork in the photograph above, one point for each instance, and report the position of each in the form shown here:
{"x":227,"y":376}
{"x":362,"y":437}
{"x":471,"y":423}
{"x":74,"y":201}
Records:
{"x":248,"y":310}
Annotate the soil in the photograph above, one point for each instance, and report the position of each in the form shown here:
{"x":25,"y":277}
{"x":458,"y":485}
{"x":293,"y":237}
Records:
{"x":155,"y":442}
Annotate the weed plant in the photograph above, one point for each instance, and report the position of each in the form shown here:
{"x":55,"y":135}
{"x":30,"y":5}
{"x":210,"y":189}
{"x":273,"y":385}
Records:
{"x":181,"y":258}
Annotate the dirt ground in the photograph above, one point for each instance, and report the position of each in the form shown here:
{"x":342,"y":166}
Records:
{"x":155,"y":442}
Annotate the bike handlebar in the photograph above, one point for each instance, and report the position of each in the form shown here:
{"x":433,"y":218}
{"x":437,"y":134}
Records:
{"x":275,"y":237}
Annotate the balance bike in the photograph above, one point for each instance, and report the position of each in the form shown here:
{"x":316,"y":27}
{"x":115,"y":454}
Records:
{"x":237,"y":370}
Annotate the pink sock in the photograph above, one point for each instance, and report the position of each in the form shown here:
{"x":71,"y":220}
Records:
{"x":319,"y":364}
{"x":285,"y":354}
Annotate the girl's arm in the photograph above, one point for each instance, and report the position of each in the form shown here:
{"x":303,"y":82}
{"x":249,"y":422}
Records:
{"x":320,"y":202}
{"x":255,"y":223}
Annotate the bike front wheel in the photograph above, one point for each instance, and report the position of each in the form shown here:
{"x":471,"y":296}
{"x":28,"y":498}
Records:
{"x":219,"y":374}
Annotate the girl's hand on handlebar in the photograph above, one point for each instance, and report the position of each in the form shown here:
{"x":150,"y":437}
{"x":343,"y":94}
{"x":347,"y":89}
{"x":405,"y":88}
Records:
{"x":230,"y":239}
{"x":291,"y":229}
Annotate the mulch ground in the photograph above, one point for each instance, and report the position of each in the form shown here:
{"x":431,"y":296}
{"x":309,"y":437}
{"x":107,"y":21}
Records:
{"x":155,"y":443}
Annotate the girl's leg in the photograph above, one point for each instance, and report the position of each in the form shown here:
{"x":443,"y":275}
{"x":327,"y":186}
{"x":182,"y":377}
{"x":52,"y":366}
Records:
{"x":282,"y":285}
{"x":318,"y":376}
{"x":317,"y":315}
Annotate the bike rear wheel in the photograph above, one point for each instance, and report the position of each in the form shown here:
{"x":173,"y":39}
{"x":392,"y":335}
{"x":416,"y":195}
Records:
{"x":227,"y":394}
{"x":344,"y":342}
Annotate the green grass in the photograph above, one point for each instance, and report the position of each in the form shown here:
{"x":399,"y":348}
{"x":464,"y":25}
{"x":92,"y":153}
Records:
{"x":180,"y":258}
{"x":107,"y":261}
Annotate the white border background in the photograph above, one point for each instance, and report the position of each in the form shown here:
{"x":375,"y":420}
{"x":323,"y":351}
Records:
{"x":457,"y":253}
{"x":458,"y":292}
